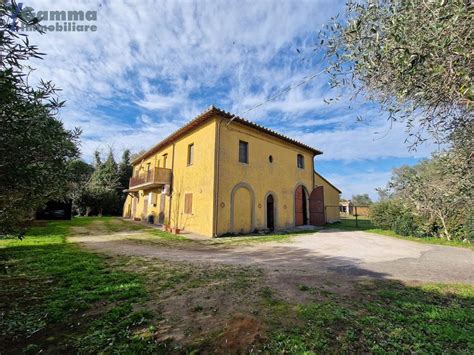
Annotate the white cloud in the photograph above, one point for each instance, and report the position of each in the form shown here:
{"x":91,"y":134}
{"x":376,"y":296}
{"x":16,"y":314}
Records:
{"x":380,"y":139}
{"x":165,"y":62}
{"x":160,"y":102}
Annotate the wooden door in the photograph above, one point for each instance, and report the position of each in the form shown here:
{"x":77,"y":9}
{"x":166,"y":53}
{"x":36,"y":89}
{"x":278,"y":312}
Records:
{"x":316,"y":207}
{"x":270,"y":213}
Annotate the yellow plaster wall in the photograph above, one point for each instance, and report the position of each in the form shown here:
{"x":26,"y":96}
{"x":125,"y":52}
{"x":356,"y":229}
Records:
{"x":197,"y":179}
{"x":156,"y":161}
{"x":216,"y":143}
{"x":331,"y":199}
{"x":279,"y":177}
{"x":243,"y":210}
{"x":127,"y":207}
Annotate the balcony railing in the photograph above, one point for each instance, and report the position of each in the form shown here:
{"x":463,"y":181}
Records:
{"x":153,"y":177}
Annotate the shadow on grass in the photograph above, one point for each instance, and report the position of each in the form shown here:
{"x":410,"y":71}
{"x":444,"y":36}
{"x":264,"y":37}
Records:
{"x":56,"y":297}
{"x":379,"y":317}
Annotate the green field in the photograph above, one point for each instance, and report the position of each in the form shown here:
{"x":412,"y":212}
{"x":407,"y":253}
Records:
{"x":56,"y":297}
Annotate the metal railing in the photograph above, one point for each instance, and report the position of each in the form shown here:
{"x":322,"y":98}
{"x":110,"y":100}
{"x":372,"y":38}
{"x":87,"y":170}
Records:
{"x":152,"y":176}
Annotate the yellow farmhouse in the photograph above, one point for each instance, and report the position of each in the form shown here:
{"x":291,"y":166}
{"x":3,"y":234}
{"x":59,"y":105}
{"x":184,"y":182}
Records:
{"x":221,"y":174}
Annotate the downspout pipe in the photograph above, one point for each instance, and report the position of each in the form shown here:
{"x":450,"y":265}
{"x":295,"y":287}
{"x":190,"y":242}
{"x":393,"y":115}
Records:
{"x":217,"y":171}
{"x":171,"y":187}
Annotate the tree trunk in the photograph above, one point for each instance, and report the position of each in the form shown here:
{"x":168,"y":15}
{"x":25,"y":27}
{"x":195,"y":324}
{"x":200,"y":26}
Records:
{"x":446,"y":232}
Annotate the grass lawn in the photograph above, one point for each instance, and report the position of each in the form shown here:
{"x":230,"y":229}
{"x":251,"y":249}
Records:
{"x":382,"y":317}
{"x":364,"y":224}
{"x":56,"y":297}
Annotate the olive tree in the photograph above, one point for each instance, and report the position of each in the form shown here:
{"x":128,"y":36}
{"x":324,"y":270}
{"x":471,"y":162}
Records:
{"x":439,"y":192}
{"x":35,"y":148}
{"x":414,"y":57}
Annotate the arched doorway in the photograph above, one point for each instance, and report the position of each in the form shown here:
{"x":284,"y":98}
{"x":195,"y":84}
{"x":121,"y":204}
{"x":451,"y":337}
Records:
{"x":270,"y":212}
{"x":242,"y":217}
{"x":301,"y":206}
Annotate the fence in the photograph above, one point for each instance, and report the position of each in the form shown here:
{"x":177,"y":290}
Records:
{"x":349,"y":215}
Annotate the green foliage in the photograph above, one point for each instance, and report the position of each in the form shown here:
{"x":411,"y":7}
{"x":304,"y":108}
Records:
{"x":125,"y":169}
{"x":361,"y":200}
{"x":394,"y":215}
{"x":439,"y":190}
{"x":67,"y":286}
{"x":413,"y":57}
{"x":103,"y":186}
{"x":34,"y":146}
{"x":384,"y":193}
{"x":102,"y":193}
{"x":79,"y":175}
{"x":383,"y":213}
{"x":433,"y":197}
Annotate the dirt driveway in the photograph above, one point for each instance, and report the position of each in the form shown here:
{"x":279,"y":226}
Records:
{"x":328,"y":253}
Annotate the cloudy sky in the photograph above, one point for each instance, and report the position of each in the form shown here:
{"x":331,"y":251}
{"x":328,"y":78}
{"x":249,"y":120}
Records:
{"x":151,"y":66}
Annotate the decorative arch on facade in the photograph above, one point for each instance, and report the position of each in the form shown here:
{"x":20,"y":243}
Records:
{"x":242,"y":185}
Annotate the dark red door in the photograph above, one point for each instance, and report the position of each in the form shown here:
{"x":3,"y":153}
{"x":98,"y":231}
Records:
{"x":316,"y":207}
{"x":270,"y":213}
{"x":299,"y":212}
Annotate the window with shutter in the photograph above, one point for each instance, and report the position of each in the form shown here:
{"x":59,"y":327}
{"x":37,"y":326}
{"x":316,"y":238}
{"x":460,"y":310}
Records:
{"x":243,"y":152}
{"x":188,"y":203}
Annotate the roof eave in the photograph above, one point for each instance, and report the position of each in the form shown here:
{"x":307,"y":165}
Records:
{"x":207,"y":114}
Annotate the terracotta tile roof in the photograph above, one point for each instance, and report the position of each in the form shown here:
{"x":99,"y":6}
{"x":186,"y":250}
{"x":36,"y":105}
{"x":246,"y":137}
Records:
{"x":210,"y":112}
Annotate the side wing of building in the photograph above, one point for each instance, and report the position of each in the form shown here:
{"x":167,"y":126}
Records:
{"x":175,"y":184}
{"x":332,"y":197}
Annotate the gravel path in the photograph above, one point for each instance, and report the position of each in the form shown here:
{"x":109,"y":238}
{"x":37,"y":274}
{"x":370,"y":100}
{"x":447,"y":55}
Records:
{"x":344,"y":253}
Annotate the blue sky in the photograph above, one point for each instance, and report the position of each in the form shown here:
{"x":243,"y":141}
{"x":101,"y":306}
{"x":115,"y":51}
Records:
{"x":152,"y":66}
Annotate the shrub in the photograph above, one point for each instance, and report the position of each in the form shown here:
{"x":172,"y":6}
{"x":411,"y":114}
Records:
{"x":394,"y":215}
{"x":383,"y":213}
{"x":405,"y":224}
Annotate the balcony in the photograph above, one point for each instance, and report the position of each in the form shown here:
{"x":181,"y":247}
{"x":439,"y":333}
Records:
{"x":152,"y":178}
